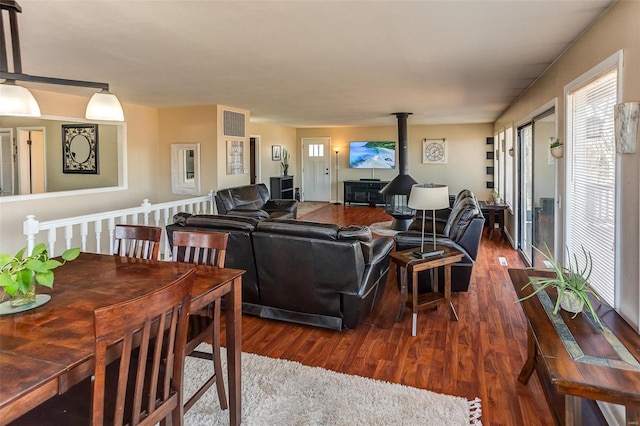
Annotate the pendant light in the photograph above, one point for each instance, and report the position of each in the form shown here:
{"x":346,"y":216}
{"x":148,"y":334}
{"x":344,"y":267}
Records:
{"x":18,"y":101}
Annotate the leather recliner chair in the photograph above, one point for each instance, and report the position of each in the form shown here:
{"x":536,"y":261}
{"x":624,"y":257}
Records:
{"x":254,"y":201}
{"x":461,"y":231}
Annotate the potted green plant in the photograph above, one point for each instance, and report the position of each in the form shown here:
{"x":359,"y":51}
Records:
{"x":571,"y":283}
{"x":495,"y":197}
{"x":557,"y":148}
{"x":285,"y":162}
{"x":19,"y":274}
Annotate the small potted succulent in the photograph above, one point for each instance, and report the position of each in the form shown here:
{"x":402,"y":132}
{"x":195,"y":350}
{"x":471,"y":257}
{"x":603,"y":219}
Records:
{"x":557,"y":148}
{"x":571,"y":283}
{"x":19,"y":274}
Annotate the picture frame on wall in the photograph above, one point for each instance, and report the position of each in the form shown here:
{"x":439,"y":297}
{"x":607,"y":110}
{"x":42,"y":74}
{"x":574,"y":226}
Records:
{"x":235,"y":157}
{"x":276,"y":153}
{"x":80,"y":148}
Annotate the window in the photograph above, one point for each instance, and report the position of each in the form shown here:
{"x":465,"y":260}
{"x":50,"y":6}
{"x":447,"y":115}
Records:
{"x":500,"y":153}
{"x":508,"y":167}
{"x":316,"y":150}
{"x":591,"y":177}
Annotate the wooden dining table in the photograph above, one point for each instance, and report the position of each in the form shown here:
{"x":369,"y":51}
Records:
{"x":46,"y":350}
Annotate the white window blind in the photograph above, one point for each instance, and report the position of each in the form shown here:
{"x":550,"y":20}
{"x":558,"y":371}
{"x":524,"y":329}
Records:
{"x":592,"y":180}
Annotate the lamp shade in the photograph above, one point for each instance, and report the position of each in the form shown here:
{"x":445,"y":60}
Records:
{"x":104,"y":106}
{"x":428,"y":196}
{"x":17,"y":100}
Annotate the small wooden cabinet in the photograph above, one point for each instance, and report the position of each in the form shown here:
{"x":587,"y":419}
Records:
{"x":281,"y":188}
{"x":364,"y":191}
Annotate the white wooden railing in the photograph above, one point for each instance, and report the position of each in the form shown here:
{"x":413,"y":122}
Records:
{"x":86,"y":231}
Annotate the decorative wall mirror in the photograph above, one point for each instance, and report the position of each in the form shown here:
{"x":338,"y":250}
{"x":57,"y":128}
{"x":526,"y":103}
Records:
{"x":42,"y":157}
{"x":185,"y":168}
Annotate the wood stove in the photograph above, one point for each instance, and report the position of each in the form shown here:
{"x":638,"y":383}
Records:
{"x":398,"y":190}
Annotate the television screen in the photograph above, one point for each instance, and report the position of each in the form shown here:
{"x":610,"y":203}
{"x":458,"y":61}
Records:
{"x":372,"y":155}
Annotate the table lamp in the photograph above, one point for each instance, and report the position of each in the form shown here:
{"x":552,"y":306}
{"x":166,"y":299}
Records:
{"x":428,"y":196}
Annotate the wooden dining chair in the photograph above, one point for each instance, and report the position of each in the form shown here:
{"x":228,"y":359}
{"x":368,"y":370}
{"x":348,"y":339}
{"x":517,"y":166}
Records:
{"x":206,"y":248}
{"x":146,"y":337}
{"x":137,"y":241}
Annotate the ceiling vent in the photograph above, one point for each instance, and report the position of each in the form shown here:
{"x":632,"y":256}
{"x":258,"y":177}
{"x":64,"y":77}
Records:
{"x":233,"y":123}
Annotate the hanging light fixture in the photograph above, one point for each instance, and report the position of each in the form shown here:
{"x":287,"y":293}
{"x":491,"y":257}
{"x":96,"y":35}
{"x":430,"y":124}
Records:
{"x":18,"y":101}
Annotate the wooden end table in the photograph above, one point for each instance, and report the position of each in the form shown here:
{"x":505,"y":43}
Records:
{"x":494,"y":211}
{"x":409,"y":263}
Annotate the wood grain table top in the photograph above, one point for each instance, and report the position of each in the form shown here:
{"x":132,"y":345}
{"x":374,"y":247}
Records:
{"x":582,"y":359}
{"x":45,"y":350}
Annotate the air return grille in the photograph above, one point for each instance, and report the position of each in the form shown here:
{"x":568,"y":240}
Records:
{"x":233,"y":123}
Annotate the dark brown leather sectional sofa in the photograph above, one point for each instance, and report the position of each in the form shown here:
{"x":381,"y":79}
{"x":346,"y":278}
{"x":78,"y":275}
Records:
{"x":304,"y":272}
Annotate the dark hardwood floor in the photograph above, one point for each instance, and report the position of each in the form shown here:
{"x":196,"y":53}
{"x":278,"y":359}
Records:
{"x":478,"y":356}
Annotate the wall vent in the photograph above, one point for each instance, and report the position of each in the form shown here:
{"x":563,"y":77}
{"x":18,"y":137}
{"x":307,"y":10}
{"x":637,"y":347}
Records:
{"x":233,"y":123}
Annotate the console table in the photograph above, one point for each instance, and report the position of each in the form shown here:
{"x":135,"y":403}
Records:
{"x":494,"y":211}
{"x":577,"y":361}
{"x":364,"y":191}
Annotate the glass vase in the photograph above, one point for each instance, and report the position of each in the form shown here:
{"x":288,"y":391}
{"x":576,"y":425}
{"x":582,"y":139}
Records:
{"x":20,"y":298}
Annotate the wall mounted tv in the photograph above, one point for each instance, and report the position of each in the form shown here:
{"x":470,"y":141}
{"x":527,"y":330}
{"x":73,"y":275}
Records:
{"x":372,"y":155}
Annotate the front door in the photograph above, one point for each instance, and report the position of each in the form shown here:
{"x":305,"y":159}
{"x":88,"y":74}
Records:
{"x":316,"y":165}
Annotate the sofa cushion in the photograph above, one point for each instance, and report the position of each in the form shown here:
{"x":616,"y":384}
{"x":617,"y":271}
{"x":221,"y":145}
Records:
{"x":247,"y":197}
{"x":300,"y":228}
{"x":354,"y":232}
{"x":223,"y":222}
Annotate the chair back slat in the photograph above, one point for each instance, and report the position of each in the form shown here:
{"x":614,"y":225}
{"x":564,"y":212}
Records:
{"x":157,"y":317}
{"x":200,"y":247}
{"x":137,"y":241}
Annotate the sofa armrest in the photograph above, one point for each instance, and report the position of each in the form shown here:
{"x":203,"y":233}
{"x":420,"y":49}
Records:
{"x":411,"y":239}
{"x":378,"y":250}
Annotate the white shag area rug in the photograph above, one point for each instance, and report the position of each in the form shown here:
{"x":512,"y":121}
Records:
{"x":283,"y":393}
{"x":383,"y":228}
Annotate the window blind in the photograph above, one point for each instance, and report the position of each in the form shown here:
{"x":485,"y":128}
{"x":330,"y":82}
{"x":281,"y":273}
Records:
{"x":592,"y":181}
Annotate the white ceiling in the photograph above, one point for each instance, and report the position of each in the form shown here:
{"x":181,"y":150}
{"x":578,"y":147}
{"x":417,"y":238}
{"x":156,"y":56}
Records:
{"x":308,"y":63}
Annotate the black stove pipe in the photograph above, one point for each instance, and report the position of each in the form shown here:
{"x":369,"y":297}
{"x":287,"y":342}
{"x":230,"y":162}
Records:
{"x":403,"y":142}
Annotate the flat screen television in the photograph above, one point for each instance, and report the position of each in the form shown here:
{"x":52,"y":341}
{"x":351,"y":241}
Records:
{"x":372,"y":155}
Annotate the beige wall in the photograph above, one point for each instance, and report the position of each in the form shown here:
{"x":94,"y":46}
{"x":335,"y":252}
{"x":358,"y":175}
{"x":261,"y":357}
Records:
{"x":196,"y":124}
{"x":465,"y":168}
{"x":142,"y":156}
{"x":275,"y":135}
{"x":616,"y":29}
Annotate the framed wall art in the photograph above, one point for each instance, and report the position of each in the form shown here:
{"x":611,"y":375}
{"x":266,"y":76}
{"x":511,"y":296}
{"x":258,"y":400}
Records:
{"x":80,"y":148}
{"x":276,"y":153}
{"x":235,"y":155}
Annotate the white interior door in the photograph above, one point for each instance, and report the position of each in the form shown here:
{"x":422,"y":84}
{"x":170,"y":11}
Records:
{"x":31,"y":160}
{"x":316,"y":166}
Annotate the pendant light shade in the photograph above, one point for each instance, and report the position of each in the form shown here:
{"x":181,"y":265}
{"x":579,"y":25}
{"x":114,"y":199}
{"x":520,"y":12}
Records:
{"x":104,"y":106}
{"x":17,"y":101}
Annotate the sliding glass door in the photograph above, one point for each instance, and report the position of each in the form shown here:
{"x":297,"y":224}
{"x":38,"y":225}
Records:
{"x":537,"y":187}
